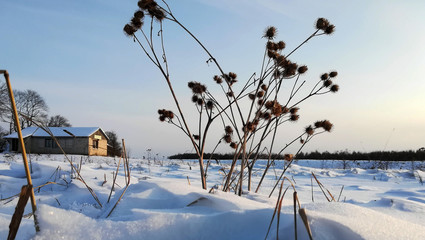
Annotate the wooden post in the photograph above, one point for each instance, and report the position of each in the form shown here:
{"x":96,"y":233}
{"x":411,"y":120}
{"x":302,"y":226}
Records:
{"x":19,"y":211}
{"x":21,"y":141}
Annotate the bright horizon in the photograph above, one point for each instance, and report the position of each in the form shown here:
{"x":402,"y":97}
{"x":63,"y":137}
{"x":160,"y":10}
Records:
{"x":76,"y":56}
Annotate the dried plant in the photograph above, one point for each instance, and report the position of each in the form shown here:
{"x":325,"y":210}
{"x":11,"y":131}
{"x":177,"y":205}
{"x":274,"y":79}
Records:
{"x":246,"y":130}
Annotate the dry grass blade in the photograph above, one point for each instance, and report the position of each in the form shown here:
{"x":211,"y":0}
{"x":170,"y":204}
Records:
{"x":303,"y":215}
{"x":276,"y":208}
{"x":128,"y":177}
{"x":323,"y":187}
{"x":340,"y":192}
{"x":295,"y":214}
{"x":115,"y":178}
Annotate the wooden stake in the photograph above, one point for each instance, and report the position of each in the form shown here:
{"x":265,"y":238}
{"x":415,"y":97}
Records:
{"x":19,"y":211}
{"x":21,"y":141}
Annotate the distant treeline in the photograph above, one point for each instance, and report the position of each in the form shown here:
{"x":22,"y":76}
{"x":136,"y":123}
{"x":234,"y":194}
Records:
{"x":219,"y":156}
{"x":410,"y":155}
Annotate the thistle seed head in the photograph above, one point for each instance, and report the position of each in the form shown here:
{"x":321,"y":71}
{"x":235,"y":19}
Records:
{"x":333,"y":74}
{"x":330,"y":29}
{"x":322,"y":24}
{"x":270,"y":33}
{"x":227,"y":138}
{"x":302,"y":69}
{"x":294,"y":110}
{"x":324,"y":76}
{"x":260,"y":94}
{"x":129,"y":30}
{"x":228,"y":130}
{"x":309,"y":130}
{"x":139,"y":14}
{"x":294,"y":117}
{"x":288,"y":157}
{"x":194,"y":98}
{"x":281,"y":45}
{"x":327,"y":83}
{"x":334,"y":88}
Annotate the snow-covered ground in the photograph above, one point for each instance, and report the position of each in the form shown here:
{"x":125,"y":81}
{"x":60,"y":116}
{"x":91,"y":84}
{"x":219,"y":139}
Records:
{"x":165,"y":201}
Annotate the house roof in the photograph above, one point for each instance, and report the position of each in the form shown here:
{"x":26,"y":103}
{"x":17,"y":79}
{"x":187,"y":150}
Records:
{"x":57,"y":132}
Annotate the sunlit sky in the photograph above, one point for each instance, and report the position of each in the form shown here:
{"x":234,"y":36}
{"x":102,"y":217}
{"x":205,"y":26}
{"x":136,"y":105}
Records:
{"x":74,"y":53}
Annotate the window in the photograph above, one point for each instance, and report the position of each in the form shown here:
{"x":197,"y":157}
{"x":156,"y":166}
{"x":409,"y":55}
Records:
{"x":95,"y":143}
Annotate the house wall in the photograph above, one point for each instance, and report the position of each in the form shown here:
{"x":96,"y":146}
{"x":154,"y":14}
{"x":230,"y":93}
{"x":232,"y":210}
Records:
{"x":102,"y":146}
{"x":71,"y":145}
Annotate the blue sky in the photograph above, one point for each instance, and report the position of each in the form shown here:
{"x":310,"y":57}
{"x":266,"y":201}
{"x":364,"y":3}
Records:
{"x":76,"y":56}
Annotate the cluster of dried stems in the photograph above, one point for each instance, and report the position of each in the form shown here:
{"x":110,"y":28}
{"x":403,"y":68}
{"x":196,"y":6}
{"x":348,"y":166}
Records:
{"x":249,"y":131}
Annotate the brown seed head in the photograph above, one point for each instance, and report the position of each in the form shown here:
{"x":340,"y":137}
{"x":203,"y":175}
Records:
{"x":281,"y":45}
{"x":301,"y":140}
{"x":267,"y":116}
{"x":318,"y":124}
{"x":139,"y":14}
{"x":264,"y":87}
{"x":251,"y":96}
{"x":161,"y":111}
{"x":294,"y":110}
{"x":270,"y":33}
{"x":285,"y":109}
{"x":129,"y":30}
{"x":324,"y":76}
{"x":291,"y":69}
{"x":277,"y":73}
{"x":277,"y":110}
{"x":162,"y":118}
{"x":260,"y":94}
{"x":302,"y":69}
{"x":272,"y":54}
{"x":233,"y":145}
{"x":233,"y":75}
{"x":333,"y":74}
{"x":227,"y":138}
{"x":294,"y":117}
{"x":288,"y":157}
{"x":136,"y":23}
{"x":334,"y":88}
{"x":147,"y":4}
{"x":269,"y":104}
{"x":309,"y":130}
{"x":228,"y":130}
{"x":196,"y":137}
{"x":200,"y":102}
{"x":270,"y":45}
{"x":322,"y":24}
{"x":330,"y":29}
{"x":194,"y":98}
{"x":260,"y":101}
{"x":327,"y":125}
{"x":230,"y":94}
{"x":218,"y":79}
{"x":327,"y":83}
{"x":209,"y":104}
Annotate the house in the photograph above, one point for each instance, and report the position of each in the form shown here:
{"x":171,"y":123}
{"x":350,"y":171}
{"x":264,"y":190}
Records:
{"x":73,"y":140}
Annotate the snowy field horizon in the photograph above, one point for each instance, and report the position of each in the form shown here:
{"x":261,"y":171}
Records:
{"x":373,"y":200}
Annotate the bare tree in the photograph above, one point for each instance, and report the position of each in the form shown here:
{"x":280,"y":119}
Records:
{"x":58,"y":121}
{"x":31,"y":106}
{"x":114,"y":146}
{"x":3,"y":132}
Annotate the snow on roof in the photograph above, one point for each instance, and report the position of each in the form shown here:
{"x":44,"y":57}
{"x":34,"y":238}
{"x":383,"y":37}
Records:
{"x":57,"y":132}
